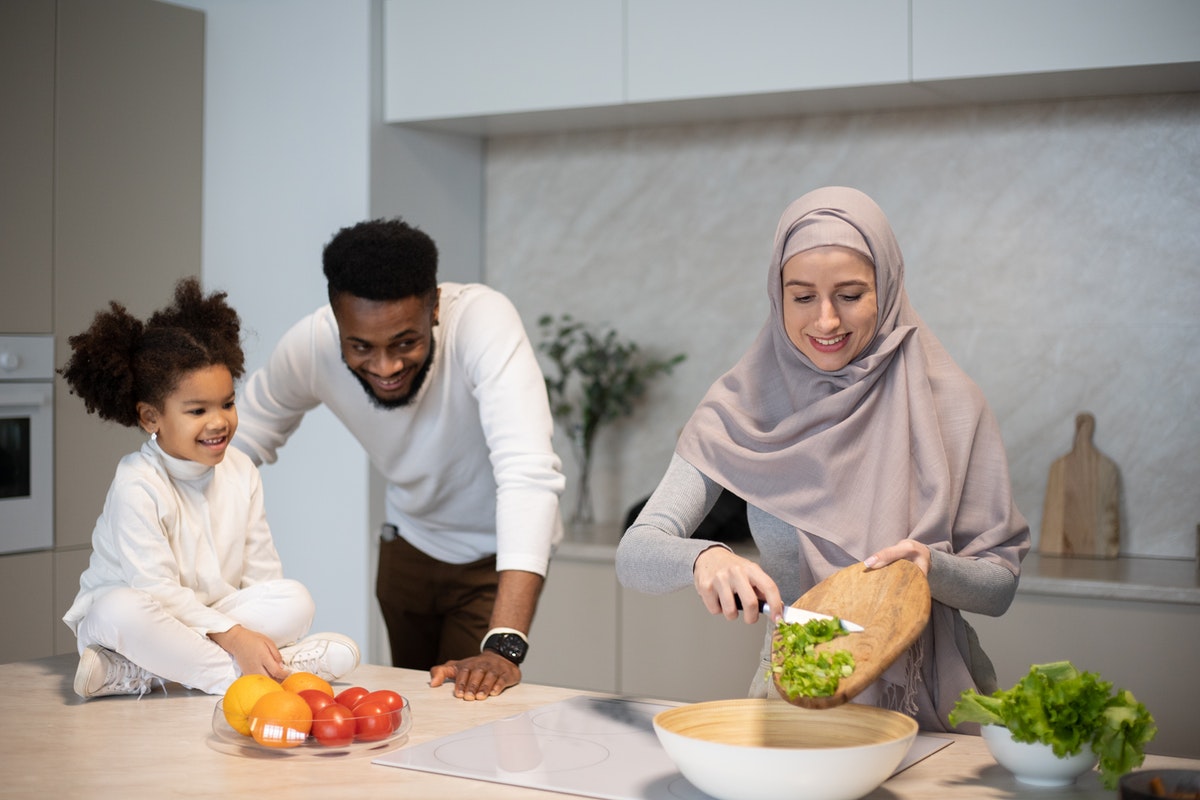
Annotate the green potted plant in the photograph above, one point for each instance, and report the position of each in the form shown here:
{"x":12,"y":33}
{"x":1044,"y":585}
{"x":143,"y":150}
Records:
{"x":596,"y":378}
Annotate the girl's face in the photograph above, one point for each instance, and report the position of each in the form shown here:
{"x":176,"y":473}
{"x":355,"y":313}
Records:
{"x":829,"y":305}
{"x":198,"y":419}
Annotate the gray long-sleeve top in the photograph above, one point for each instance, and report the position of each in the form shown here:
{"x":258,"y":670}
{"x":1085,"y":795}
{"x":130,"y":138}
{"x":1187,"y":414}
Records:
{"x":656,"y":554}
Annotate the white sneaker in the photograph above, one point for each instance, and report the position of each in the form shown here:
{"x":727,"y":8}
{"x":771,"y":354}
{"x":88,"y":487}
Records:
{"x":326,"y":655}
{"x":104,"y":672}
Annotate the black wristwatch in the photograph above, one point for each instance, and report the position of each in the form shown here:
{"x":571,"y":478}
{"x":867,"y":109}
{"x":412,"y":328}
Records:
{"x":509,"y":644}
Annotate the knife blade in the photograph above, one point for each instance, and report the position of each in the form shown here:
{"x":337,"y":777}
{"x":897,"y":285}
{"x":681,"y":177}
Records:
{"x":793,"y":614}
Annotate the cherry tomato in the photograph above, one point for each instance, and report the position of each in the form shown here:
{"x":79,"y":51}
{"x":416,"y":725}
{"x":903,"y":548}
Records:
{"x":351,"y":697}
{"x":375,"y":721}
{"x":334,"y":725}
{"x":316,"y":699}
{"x":393,"y":701}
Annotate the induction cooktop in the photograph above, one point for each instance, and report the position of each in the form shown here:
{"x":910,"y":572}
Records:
{"x":590,"y":746}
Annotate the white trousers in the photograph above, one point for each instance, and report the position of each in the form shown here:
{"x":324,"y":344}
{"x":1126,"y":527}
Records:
{"x":133,"y":624}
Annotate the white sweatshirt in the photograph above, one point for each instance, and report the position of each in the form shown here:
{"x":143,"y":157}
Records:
{"x":186,"y":533}
{"x":469,"y":463}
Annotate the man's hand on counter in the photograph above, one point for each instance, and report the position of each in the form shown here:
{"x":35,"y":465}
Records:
{"x":478,"y":677}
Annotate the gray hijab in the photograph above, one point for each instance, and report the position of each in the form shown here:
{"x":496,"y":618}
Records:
{"x":897,"y":444}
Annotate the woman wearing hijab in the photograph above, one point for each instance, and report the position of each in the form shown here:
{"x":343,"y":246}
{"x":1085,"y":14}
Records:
{"x":852,"y":436}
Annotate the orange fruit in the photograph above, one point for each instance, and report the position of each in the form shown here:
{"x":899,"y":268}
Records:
{"x":280,"y":719}
{"x":241,"y":696}
{"x":299,"y":681}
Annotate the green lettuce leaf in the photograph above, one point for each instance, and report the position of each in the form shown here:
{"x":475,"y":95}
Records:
{"x":1057,"y":705}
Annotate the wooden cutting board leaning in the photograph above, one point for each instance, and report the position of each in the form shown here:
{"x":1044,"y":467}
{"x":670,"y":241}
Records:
{"x":892,"y":605}
{"x":1082,"y":512}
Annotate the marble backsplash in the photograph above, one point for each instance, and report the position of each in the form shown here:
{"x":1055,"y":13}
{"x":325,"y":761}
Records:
{"x":1053,"y":247}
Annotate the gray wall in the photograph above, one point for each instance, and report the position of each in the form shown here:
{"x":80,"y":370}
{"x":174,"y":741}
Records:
{"x":1051,"y":246}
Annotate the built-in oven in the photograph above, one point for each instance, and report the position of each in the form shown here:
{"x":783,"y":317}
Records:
{"x":26,"y":443}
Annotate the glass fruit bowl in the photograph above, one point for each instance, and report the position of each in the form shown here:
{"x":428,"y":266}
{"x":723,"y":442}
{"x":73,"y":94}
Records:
{"x":353,"y":737}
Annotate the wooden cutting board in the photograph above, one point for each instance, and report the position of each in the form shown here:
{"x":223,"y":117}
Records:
{"x":1082,"y":513}
{"x":892,"y":605}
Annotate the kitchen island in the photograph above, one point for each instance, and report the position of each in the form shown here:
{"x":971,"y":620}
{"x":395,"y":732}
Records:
{"x":161,"y":745}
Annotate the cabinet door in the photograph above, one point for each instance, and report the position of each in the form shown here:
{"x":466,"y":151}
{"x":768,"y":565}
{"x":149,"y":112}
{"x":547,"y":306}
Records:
{"x":27,"y":606}
{"x":673,"y":649}
{"x":976,"y":38}
{"x":26,"y":165}
{"x":464,"y":58}
{"x":708,"y":48}
{"x":573,"y":641}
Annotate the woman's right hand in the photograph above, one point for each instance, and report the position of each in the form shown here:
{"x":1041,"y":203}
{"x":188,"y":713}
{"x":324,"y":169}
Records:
{"x":723,"y":578}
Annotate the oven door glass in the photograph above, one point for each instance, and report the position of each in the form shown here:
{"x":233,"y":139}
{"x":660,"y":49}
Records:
{"x":26,"y":467}
{"x":14,"y":457}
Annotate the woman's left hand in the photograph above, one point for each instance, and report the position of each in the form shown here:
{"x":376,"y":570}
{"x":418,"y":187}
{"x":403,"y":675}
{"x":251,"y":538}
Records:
{"x":905,"y":550}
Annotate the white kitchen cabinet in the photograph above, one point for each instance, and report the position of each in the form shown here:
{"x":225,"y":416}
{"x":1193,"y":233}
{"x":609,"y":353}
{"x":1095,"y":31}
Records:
{"x":954,"y":39}
{"x":573,"y":641}
{"x":532,"y":66}
{"x":591,"y":633}
{"x":672,"y":648}
{"x":678,"y":49}
{"x":461,"y":58}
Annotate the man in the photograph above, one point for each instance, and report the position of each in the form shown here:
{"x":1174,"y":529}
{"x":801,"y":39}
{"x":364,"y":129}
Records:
{"x":441,"y":387}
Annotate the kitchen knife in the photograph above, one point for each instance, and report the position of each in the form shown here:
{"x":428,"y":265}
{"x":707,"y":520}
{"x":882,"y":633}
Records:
{"x":793,"y":614}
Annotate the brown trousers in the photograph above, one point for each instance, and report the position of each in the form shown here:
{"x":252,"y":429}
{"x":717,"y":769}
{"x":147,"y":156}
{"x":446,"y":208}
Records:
{"x":434,"y":611}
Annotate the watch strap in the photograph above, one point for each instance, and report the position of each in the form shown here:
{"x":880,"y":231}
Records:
{"x":489,"y":634}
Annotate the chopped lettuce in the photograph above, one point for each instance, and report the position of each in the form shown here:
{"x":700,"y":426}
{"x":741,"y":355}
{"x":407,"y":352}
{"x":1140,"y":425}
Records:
{"x":1058,"y":705}
{"x":800,"y":669}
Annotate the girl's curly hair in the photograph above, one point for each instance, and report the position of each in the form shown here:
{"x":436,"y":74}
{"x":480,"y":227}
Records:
{"x":120,"y":361}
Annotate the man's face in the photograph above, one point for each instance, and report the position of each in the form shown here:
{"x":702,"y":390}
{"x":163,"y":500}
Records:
{"x":387,"y":344}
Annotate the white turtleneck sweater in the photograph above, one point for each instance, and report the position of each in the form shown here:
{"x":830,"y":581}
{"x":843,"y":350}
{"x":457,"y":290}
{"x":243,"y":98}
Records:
{"x":185,"y":533}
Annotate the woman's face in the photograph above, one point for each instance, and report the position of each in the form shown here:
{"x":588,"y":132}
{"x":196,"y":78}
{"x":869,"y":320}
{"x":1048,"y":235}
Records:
{"x":829,"y":305}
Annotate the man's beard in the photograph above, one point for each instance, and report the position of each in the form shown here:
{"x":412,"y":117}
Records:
{"x":399,"y":402}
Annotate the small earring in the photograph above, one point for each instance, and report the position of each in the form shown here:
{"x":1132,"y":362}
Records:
{"x":154,"y":436}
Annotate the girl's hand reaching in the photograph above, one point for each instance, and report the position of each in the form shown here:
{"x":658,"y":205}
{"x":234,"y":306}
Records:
{"x":907,"y":550}
{"x":723,"y":579}
{"x":253,"y":652}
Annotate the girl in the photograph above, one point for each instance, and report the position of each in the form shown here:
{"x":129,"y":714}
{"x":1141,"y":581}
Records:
{"x":184,"y":583}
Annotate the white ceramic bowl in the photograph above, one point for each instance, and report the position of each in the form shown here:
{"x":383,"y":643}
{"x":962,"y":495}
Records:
{"x":1035,"y":764}
{"x":771,"y":750}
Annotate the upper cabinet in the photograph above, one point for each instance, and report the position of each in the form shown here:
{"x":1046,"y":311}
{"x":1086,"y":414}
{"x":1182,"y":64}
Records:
{"x":712,"y":48}
{"x":954,"y":39}
{"x":456,"y":58}
{"x":483,"y":68}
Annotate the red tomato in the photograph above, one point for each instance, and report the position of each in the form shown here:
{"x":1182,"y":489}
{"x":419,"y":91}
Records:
{"x":316,"y":699}
{"x":375,"y":721}
{"x":350,"y":697}
{"x":334,"y":726}
{"x":393,"y":701}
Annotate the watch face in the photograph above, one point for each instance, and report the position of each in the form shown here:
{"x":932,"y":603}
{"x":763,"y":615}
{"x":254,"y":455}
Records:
{"x":509,"y":645}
